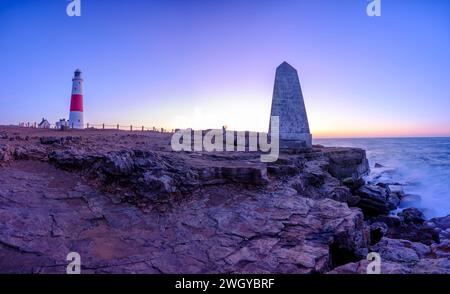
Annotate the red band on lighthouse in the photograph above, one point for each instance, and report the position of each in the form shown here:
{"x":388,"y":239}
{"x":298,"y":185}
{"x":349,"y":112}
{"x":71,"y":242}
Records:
{"x":76,"y":102}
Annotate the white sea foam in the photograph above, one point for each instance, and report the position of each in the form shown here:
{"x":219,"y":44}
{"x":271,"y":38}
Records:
{"x":422,"y":165}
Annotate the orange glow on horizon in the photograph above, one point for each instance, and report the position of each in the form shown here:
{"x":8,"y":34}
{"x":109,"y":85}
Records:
{"x":379,"y":133}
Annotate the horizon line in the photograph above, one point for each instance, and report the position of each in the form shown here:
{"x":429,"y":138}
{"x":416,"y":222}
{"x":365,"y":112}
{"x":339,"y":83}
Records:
{"x":314,"y":137}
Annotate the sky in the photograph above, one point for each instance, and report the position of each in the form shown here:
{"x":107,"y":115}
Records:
{"x":209,"y":63}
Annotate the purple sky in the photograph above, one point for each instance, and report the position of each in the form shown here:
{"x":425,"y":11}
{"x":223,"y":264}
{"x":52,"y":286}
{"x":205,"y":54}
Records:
{"x":208,"y":63}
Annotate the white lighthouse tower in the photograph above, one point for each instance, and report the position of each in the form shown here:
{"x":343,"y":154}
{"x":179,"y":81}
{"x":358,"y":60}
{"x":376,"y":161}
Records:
{"x":76,"y":119}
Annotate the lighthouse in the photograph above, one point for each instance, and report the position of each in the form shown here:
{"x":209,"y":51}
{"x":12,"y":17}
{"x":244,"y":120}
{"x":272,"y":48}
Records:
{"x":76,"y":120}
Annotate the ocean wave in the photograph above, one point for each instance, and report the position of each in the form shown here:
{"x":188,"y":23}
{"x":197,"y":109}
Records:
{"x":421,"y":165}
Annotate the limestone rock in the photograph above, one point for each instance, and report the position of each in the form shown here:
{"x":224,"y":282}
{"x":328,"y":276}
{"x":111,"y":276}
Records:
{"x":347,"y":162}
{"x":409,"y":226}
{"x":374,"y":200}
{"x":223,"y":230}
{"x":412,"y":215}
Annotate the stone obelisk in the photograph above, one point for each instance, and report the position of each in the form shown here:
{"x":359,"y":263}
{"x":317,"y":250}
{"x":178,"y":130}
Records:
{"x":288,"y":105}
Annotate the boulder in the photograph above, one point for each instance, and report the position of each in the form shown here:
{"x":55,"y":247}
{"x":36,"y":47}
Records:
{"x":403,"y":251}
{"x":402,"y":257}
{"x":412,"y":215}
{"x":353,"y":184}
{"x":347,"y":162}
{"x":408,"y":226}
{"x":374,"y":200}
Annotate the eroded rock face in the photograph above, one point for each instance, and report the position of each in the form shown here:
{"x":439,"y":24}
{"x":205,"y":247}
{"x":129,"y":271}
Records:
{"x":412,"y":215}
{"x":55,"y":212}
{"x":155,"y":175}
{"x":347,"y":162}
{"x":399,"y":256}
{"x":374,"y":200}
{"x":409,"y":226}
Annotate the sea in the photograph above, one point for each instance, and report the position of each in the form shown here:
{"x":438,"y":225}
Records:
{"x":420,"y":165}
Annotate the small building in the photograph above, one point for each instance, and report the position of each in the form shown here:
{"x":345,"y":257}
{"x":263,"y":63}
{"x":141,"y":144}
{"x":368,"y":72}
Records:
{"x":62,"y":124}
{"x":44,"y":124}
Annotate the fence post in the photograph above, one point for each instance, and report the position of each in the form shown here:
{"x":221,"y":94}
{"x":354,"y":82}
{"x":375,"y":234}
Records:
{"x":87,"y":126}
{"x":103,"y":126}
{"x":142,"y":128}
{"x":131,"y":128}
{"x":117,"y":126}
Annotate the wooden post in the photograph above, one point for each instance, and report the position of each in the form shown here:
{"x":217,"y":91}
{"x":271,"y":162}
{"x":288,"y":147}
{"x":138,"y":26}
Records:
{"x":103,"y":126}
{"x":142,"y":128}
{"x":131,"y":128}
{"x":87,"y":125}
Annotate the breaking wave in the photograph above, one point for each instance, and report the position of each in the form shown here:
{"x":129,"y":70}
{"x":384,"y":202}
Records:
{"x":420,"y":165}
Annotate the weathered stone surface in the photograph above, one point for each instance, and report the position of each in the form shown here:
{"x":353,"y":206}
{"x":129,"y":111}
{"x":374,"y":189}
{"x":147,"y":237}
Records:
{"x":59,"y":140}
{"x":55,"y":212}
{"x":361,"y":268}
{"x":374,"y":200}
{"x":288,"y":105}
{"x":412,"y":215}
{"x":409,"y":226}
{"x":403,"y":256}
{"x":347,"y":163}
{"x":6,"y":153}
{"x":152,"y":175}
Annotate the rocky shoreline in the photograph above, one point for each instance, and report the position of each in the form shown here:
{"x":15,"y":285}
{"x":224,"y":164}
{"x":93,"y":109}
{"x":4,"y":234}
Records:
{"x":128,"y":204}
